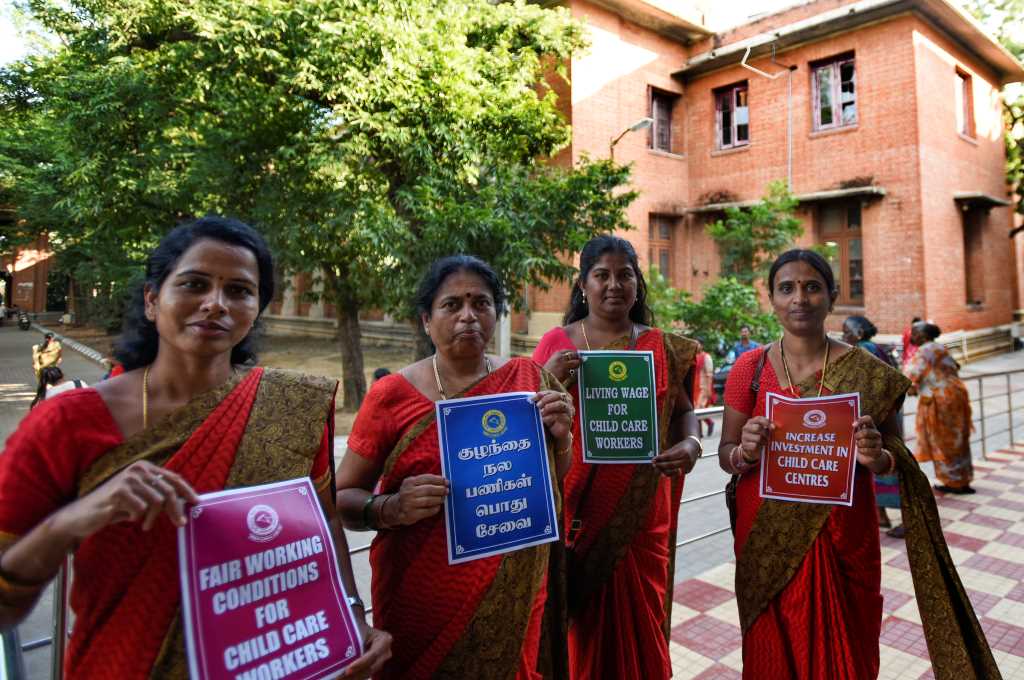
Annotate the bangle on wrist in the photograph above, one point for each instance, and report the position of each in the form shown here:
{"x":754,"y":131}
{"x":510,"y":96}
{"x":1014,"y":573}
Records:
{"x":565,"y":450}
{"x":381,"y":522}
{"x":366,"y":511}
{"x":891,"y":467}
{"x":700,"y":445}
{"x":736,"y":461}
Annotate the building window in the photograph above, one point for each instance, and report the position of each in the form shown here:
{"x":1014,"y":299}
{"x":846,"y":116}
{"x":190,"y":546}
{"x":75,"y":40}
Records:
{"x":660,"y":236}
{"x":835,"y":93}
{"x":974,"y":256}
{"x":732,"y":117}
{"x":839,"y":226}
{"x":662,"y":105}
{"x":964,"y":104}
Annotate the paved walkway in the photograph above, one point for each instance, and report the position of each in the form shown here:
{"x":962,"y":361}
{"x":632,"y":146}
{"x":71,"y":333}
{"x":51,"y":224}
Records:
{"x":985,"y":534}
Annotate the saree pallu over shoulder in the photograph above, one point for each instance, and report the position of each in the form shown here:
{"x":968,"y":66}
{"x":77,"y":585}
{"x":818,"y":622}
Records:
{"x":259,"y":427}
{"x":595,"y":560}
{"x":783,"y":533}
{"x":465,"y":620}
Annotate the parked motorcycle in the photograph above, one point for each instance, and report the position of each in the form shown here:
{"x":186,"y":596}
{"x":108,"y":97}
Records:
{"x":24,"y":323}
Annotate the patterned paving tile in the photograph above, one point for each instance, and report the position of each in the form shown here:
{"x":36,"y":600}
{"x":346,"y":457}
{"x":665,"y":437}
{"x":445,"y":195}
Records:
{"x":906,"y":636}
{"x":985,"y":534}
{"x":708,"y":636}
{"x":701,"y":595}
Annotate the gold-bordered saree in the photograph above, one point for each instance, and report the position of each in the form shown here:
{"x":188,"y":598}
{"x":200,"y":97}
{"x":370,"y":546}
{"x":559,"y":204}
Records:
{"x":480,"y":619}
{"x":621,"y":533}
{"x":783,"y":535}
{"x":261,"y":426}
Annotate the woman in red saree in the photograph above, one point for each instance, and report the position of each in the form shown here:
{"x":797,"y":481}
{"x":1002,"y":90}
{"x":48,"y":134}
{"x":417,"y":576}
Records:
{"x":621,"y":519}
{"x":478,"y":619}
{"x":808,"y":576}
{"x":106,"y":472}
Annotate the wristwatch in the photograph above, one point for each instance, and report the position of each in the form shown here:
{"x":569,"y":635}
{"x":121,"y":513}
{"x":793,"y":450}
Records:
{"x":354,"y":601}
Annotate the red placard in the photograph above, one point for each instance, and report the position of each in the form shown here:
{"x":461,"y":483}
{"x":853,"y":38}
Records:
{"x":810,"y":456}
{"x":261,"y":590}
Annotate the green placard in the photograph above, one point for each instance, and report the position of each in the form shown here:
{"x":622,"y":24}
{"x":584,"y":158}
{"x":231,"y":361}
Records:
{"x":618,"y":409}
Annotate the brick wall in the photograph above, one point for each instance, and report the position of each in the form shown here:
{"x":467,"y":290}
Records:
{"x":882,"y":145}
{"x":951,"y":162}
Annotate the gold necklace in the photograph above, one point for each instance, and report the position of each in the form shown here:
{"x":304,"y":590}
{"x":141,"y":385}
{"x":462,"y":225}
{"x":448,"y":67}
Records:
{"x":583,"y":327}
{"x":145,"y":398}
{"x":824,"y":368}
{"x":437,"y":374}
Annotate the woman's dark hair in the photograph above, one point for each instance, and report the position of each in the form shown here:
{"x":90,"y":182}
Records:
{"x":864,"y":328}
{"x":46,"y":340}
{"x":802,"y":255}
{"x":591,"y":253}
{"x":51,"y":375}
{"x":139,"y":341}
{"x":929,"y":330}
{"x":441,"y":269}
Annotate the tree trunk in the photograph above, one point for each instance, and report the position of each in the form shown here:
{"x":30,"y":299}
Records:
{"x":350,"y":342}
{"x":422,"y":346}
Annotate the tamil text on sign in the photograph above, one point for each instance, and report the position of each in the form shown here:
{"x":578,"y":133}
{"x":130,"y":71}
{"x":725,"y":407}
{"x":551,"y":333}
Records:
{"x":494,"y":454}
{"x":810,"y":456}
{"x":618,"y":408}
{"x":261,"y":592}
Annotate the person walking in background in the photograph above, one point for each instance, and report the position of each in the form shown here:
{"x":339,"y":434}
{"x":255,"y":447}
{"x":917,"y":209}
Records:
{"x":943,"y":411}
{"x":380,"y":373}
{"x":45,"y":354}
{"x":858,"y":331}
{"x":622,"y":519}
{"x":52,"y":383}
{"x":909,"y":348}
{"x":744,"y":344}
{"x":703,"y":386}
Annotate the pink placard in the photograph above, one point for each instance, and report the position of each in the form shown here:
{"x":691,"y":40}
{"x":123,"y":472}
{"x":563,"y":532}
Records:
{"x":261,"y":591}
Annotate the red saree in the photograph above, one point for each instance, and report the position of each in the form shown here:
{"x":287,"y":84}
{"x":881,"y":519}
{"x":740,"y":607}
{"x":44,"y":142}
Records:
{"x":808,"y":576}
{"x":479,"y":619}
{"x":620,"y":578}
{"x":827,"y":621}
{"x":125,"y":593}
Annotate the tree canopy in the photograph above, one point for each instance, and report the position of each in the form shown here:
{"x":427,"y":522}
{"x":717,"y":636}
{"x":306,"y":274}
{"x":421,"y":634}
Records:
{"x":364,"y":137}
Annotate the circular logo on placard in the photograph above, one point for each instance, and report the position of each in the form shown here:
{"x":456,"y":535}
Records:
{"x":617,"y":371}
{"x":494,"y":423}
{"x":815,"y":419}
{"x":263,"y":523}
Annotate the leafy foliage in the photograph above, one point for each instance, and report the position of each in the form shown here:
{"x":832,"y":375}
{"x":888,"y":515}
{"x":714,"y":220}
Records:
{"x":364,"y":137}
{"x":726,"y":306}
{"x":749,"y":239}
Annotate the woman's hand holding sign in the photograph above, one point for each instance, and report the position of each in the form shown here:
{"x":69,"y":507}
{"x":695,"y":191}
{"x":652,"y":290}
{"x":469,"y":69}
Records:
{"x":679,"y":459}
{"x":562,"y":363}
{"x":870,"y":453}
{"x":376,"y":650}
{"x":419,"y":497}
{"x":142,"y":491}
{"x":754,"y":438}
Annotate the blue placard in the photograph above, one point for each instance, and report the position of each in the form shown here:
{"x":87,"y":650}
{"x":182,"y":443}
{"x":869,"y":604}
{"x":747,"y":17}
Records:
{"x":494,"y":453}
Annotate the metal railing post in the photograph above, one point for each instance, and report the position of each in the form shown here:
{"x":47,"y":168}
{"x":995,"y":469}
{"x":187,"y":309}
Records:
{"x":1009,"y":408}
{"x":981,"y":402}
{"x":60,"y":622}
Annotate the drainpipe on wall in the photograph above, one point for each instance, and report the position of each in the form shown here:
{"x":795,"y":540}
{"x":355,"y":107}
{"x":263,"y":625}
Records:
{"x":789,"y":105}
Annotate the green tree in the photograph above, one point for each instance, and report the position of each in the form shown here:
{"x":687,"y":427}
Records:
{"x":726,"y":306}
{"x":750,"y":238}
{"x":365,"y":137}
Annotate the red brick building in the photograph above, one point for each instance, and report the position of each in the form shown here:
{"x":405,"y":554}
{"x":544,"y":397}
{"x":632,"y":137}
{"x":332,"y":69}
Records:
{"x":883,"y":115}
